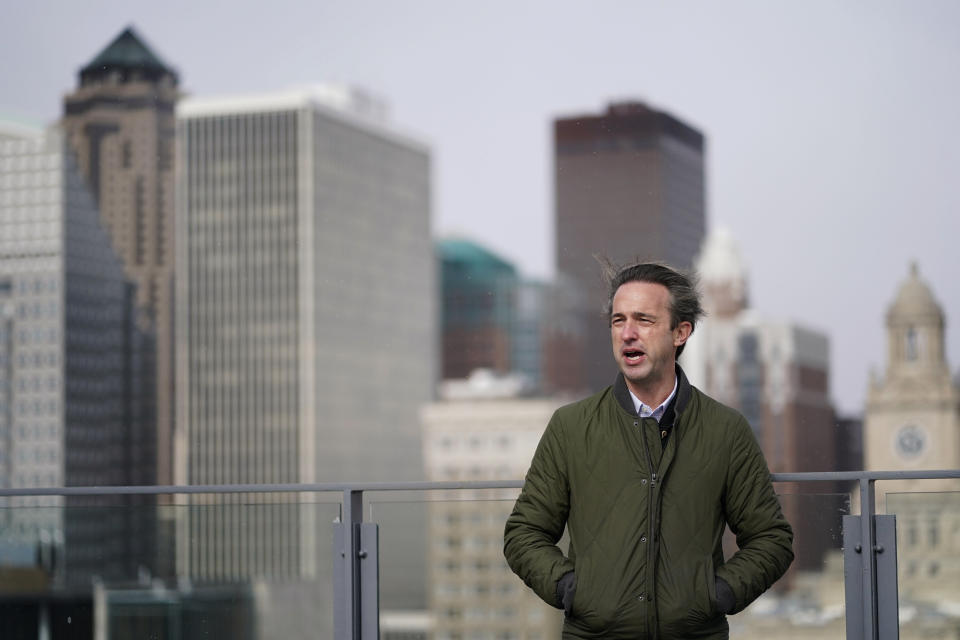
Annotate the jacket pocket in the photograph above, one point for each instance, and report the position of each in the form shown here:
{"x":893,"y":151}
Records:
{"x":704,"y":605}
{"x":581,"y":592}
{"x":687,"y":597}
{"x":589,"y":612}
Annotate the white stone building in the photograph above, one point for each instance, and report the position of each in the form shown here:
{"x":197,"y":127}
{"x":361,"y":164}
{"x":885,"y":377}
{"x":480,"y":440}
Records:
{"x":912,"y":422}
{"x":480,"y":430}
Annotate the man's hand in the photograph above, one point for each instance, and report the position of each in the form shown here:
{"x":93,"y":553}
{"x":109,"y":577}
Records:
{"x":566,"y":587}
{"x":726,"y":600}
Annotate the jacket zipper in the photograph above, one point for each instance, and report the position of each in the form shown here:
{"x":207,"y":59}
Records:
{"x":653,"y":518}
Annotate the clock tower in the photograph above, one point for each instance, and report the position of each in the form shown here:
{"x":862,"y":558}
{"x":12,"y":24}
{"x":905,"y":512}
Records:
{"x":912,"y":416}
{"x":912,"y":422}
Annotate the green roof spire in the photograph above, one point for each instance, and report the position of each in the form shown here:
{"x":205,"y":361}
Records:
{"x":129,"y":56}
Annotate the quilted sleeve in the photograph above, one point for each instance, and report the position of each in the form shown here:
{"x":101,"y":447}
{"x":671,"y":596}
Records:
{"x":539,"y":517}
{"x":764,"y":536}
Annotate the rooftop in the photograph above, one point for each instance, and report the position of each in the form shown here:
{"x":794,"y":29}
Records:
{"x":127,"y":53}
{"x":467,"y":254}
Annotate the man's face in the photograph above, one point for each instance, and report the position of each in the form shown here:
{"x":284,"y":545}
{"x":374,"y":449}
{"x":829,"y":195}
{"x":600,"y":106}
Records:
{"x":644,"y":345}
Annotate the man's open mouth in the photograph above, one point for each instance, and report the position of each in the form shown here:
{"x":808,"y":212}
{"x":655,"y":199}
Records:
{"x":633,"y":355}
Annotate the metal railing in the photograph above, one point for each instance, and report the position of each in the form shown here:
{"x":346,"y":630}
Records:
{"x":869,"y":542}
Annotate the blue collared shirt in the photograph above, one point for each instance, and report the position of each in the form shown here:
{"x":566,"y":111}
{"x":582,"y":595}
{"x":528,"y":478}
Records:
{"x":646,"y":412}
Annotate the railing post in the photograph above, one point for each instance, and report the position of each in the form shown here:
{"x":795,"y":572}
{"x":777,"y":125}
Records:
{"x":888,"y":601}
{"x":853,"y":577}
{"x":869,"y":565}
{"x":369,"y":581}
{"x":346,"y":574}
{"x":356,"y":586}
{"x":861,"y":547}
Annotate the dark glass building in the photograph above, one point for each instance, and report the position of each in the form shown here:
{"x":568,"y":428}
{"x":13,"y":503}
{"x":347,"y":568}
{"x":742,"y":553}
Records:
{"x":629,"y":183}
{"x":479,"y":308}
{"x":491,"y":317}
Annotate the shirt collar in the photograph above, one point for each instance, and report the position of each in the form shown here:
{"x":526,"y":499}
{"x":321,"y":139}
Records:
{"x":646,"y":412}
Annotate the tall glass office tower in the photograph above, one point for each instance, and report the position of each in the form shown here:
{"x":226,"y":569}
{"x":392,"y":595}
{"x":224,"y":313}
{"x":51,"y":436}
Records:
{"x":73,"y":405}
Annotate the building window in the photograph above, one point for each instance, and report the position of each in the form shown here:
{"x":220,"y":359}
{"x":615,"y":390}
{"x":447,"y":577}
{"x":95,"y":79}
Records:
{"x":912,"y":349}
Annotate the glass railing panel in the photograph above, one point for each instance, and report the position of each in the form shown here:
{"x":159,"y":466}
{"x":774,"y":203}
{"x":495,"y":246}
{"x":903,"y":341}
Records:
{"x":462,"y":585}
{"x":465,"y":590}
{"x":928,"y":555}
{"x":241,"y":566}
{"x":808,"y":602}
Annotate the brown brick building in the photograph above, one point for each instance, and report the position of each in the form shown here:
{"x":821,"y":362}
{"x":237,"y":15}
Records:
{"x":628,"y":183}
{"x":120,"y":124}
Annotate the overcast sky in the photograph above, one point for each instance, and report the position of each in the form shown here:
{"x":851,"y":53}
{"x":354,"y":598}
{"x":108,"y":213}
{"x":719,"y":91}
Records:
{"x":833,"y":128}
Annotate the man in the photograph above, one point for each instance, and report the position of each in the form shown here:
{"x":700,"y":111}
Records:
{"x":644,"y":475}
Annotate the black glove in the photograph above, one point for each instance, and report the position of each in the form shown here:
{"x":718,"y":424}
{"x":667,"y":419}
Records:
{"x":566,"y":587}
{"x":726,"y":599}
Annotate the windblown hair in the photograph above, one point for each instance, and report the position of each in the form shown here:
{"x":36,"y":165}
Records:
{"x":684,"y":295}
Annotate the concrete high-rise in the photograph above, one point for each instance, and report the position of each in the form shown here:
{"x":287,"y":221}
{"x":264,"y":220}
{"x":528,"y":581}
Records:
{"x":72,"y":402}
{"x":120,"y":123}
{"x":776,"y":373}
{"x":306,"y":313}
{"x":629,"y":183}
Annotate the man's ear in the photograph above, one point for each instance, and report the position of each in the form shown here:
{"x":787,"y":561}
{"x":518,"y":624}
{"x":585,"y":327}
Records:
{"x":681,"y":333}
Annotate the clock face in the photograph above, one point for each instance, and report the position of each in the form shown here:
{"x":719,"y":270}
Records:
{"x":910,"y":441}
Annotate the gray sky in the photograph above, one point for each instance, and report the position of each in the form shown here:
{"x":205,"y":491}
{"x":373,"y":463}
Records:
{"x":833,"y":128}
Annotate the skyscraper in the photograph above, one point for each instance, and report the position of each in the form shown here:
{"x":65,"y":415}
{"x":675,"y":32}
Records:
{"x":478,"y":308}
{"x":72,"y":400}
{"x":305,"y":301}
{"x":491,"y":317}
{"x":628,"y":183}
{"x":120,"y":123}
{"x":776,"y":373}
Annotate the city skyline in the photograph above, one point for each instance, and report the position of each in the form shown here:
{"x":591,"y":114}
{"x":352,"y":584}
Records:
{"x":830,"y":135}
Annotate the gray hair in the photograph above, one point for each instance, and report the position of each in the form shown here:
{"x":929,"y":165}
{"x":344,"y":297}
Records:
{"x":684,"y":296}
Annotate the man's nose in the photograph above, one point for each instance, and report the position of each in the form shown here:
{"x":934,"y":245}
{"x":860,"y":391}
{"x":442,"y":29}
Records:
{"x":629,"y":331}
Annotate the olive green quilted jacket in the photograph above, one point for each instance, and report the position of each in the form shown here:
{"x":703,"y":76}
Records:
{"x":645,"y":521}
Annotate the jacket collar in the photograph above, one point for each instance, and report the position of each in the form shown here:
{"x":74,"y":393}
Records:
{"x":676,"y":406}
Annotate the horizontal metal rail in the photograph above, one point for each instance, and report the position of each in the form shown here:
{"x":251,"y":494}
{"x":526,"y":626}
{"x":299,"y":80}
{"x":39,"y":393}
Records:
{"x":355,"y":552}
{"x":834,"y":476}
{"x":331,"y":487}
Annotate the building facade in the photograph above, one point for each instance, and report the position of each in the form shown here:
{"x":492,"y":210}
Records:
{"x":478,"y":308}
{"x":912,"y":422}
{"x":119,"y":122}
{"x":479,"y":430}
{"x":776,"y":373}
{"x":73,"y":403}
{"x":490,"y":316}
{"x":629,"y":183}
{"x":305,"y":311}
